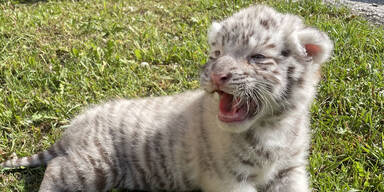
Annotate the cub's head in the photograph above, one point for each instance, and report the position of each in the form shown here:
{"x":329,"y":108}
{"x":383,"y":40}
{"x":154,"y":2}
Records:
{"x":262,"y":63}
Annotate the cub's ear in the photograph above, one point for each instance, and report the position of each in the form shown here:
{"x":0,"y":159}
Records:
{"x":212,"y":33}
{"x":310,"y":42}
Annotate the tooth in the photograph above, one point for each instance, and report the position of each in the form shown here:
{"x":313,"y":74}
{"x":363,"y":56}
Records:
{"x":216,"y":95}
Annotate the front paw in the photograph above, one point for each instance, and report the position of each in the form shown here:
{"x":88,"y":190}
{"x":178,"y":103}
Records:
{"x":242,"y":187}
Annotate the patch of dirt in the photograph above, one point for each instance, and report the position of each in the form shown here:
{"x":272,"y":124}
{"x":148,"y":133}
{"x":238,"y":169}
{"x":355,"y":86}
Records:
{"x":373,"y":10}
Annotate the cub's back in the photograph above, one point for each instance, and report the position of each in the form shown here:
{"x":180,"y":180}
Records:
{"x":140,"y":137}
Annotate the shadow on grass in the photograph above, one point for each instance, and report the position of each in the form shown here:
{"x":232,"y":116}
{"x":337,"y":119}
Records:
{"x":31,"y":177}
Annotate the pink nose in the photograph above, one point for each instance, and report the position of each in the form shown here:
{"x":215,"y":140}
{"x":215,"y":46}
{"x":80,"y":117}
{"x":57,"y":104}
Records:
{"x":220,"y":78}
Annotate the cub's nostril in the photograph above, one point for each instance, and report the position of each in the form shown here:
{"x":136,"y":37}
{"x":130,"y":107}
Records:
{"x":225,"y":77}
{"x":220,"y":79}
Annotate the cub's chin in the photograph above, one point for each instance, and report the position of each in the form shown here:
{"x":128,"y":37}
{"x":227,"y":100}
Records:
{"x":237,"y":126}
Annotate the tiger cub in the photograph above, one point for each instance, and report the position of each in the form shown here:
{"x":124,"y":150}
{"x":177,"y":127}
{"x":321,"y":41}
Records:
{"x":245,"y":130}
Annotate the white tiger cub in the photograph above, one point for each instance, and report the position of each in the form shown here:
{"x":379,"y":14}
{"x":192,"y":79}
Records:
{"x":246,"y":130}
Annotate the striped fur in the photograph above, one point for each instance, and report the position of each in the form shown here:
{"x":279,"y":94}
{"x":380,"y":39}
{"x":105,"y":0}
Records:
{"x":181,"y":143}
{"x":34,"y":160}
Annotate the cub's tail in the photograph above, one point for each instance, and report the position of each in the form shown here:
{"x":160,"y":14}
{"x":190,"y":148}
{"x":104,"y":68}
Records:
{"x":35,"y":160}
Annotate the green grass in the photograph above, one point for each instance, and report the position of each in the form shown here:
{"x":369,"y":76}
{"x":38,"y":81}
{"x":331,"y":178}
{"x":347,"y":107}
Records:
{"x":56,"y":57}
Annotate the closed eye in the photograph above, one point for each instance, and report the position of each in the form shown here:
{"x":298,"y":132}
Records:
{"x":256,"y":58}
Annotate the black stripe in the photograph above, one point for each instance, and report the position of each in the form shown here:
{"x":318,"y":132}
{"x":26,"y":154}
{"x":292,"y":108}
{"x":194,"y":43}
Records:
{"x":250,"y":161}
{"x":280,"y":177}
{"x":290,"y":82}
{"x":285,"y":172}
{"x":128,"y":160}
{"x":101,"y":175}
{"x":117,"y":173}
{"x":59,"y":148}
{"x":41,"y":156}
{"x":140,"y":171}
{"x":241,"y":177}
{"x":62,"y":176}
{"x":204,"y":139}
{"x":203,"y":164}
{"x":100,"y":180}
{"x":186,"y":183}
{"x":120,"y":163}
{"x":246,"y":162}
{"x":230,"y":169}
{"x":150,"y":163}
{"x":79,"y":173}
{"x":52,"y":151}
{"x":301,"y":82}
{"x":121,"y":151}
{"x":264,"y":153}
{"x":242,"y":152}
{"x":101,"y":126}
{"x":105,"y":158}
{"x":181,"y":125}
{"x":103,"y":152}
{"x":172,"y":140}
{"x":243,"y":149}
{"x":252,"y":143}
{"x":147,"y":154}
{"x":161,"y":159}
{"x":122,"y":158}
{"x":251,"y":139}
{"x":239,"y":78}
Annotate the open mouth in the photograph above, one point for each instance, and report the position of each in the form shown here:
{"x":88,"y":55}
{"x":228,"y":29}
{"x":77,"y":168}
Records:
{"x":230,"y":108}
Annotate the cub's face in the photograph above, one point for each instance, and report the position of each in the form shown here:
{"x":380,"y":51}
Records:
{"x":258,"y":59}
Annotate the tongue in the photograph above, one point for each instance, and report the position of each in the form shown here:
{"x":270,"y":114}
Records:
{"x":226,"y":101}
{"x":229,"y":111}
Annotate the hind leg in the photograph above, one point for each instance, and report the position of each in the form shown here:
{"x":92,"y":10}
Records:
{"x":72,"y":174}
{"x":52,"y":178}
{"x":60,"y":176}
